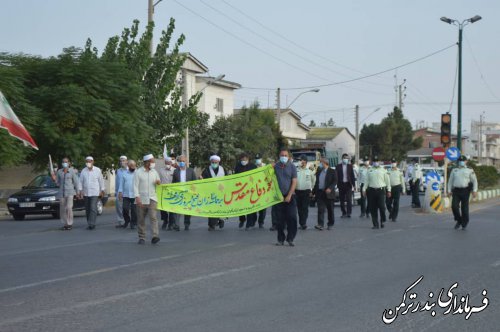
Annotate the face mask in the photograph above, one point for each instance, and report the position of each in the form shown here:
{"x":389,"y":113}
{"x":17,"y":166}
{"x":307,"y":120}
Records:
{"x":152,"y":165}
{"x":244,"y":162}
{"x":131,"y":170}
{"x":258,"y":161}
{"x":345,"y":161}
{"x":89,"y":165}
{"x":461,"y":163}
{"x":65,"y":165}
{"x":375,"y":163}
{"x":283,"y":159}
{"x":168,"y":167}
{"x":394,"y":165}
{"x":215,"y":165}
{"x":182,"y":164}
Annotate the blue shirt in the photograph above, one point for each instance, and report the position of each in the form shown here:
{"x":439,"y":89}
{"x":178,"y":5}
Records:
{"x":322,"y":178}
{"x":285,"y":173}
{"x":118,"y":177}
{"x":126,"y":185}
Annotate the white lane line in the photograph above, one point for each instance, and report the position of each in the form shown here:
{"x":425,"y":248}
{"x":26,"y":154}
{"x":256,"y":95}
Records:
{"x":226,"y":245}
{"x":496,"y":264}
{"x":89,"y":273}
{"x":118,"y":297}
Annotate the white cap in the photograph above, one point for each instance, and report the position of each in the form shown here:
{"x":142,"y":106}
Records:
{"x":123,"y":158}
{"x":89,"y":158}
{"x":148,"y":157}
{"x":215,"y":158}
{"x":168,"y":159}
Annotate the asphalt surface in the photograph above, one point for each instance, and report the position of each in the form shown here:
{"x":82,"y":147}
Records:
{"x":236,"y":280}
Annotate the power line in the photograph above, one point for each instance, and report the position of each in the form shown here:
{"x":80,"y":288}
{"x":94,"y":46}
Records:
{"x":358,"y":78}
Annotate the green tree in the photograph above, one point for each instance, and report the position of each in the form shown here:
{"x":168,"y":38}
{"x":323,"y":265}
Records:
{"x":312,"y":124}
{"x":331,"y":123}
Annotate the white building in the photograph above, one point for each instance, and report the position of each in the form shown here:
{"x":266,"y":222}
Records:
{"x":218,"y":97}
{"x":290,"y":125}
{"x":332,"y":139}
{"x":483,"y":144}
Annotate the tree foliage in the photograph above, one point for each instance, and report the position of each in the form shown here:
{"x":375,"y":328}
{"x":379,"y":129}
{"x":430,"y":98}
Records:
{"x":392,"y":138}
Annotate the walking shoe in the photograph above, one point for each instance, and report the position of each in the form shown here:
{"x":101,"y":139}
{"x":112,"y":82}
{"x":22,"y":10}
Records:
{"x":367,"y":215}
{"x":464,"y":227}
{"x":169,"y":228}
{"x":303,"y":227}
{"x":375,"y":227}
{"x":176,"y":228}
{"x":211,"y":228}
{"x":186,"y":227}
{"x":361,"y":215}
{"x":381,"y":225}
{"x":329,"y":228}
{"x":242,"y":223}
{"x":290,"y":243}
{"x":343,"y":216}
{"x":280,"y":243}
{"x":221,"y":223}
{"x":90,"y":227}
{"x":318,"y":227}
{"x":261,"y":225}
{"x":272,"y":228}
{"x":457,"y":225}
{"x":155,"y":240}
{"x":141,"y":241}
{"x":348,"y":216}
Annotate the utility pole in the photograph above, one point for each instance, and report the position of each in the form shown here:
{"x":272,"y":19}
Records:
{"x":185,"y":143}
{"x":400,"y":89}
{"x":480,"y":140}
{"x":459,"y":107}
{"x":278,"y":107}
{"x":357,"y":133}
{"x":151,"y":9}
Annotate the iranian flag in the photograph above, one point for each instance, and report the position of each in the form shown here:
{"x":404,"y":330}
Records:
{"x":9,"y":121}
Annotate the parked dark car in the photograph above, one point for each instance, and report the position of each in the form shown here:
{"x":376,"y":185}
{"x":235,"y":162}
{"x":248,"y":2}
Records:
{"x":39,"y":197}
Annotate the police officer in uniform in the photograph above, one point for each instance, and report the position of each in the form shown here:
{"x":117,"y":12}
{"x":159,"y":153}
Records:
{"x":363,"y":171}
{"x":459,"y":186}
{"x":378,"y":186}
{"x":397,"y":181}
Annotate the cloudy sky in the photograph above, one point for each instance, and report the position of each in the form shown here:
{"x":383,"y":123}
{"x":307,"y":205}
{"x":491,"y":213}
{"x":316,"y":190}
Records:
{"x":264,"y":44}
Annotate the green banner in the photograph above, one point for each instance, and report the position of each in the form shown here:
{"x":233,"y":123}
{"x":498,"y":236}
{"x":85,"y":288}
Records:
{"x":228,"y":196}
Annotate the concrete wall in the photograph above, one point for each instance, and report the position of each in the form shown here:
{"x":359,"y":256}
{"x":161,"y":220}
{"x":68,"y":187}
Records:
{"x":208,"y":102}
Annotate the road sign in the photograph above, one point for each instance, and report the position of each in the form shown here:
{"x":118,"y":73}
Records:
{"x":432,"y":177}
{"x":438,"y":154}
{"x":435,"y":186}
{"x":453,"y":153}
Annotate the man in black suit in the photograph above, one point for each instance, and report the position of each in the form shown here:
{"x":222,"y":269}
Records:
{"x":244,"y":165}
{"x":346,"y":183}
{"x":324,"y":191}
{"x":183,"y":174}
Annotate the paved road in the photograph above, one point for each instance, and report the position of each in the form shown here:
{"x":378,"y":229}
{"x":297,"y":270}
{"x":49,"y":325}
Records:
{"x":234,"y":280}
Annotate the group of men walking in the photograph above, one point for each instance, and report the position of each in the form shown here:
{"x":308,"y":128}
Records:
{"x":135,"y":190}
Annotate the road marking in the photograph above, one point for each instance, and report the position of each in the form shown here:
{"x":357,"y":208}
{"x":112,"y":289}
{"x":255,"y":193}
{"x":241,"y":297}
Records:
{"x":226,"y":245}
{"x":496,"y":264}
{"x":87,"y":274}
{"x":118,"y":297}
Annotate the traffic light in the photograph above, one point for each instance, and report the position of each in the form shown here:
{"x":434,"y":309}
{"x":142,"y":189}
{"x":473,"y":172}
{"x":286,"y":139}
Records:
{"x":446,"y":129}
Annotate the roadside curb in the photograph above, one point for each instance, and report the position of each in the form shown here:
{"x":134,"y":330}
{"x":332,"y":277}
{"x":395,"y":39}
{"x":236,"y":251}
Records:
{"x":481,"y":196}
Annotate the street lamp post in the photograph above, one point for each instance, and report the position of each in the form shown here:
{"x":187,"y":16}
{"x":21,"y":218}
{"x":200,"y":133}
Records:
{"x":293,"y":101}
{"x":358,"y":124}
{"x":461,"y":26}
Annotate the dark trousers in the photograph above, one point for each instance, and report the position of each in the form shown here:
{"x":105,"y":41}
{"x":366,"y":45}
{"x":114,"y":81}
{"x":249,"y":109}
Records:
{"x":460,"y":205}
{"x":129,"y":212}
{"x":287,"y":215}
{"x":303,"y":198}
{"x":324,"y":203}
{"x":168,"y":218}
{"x":262,"y":216}
{"x":250,"y":219}
{"x":345,"y":196}
{"x":376,"y":199}
{"x":393,"y":202}
{"x":415,"y":188}
{"x":91,"y":209}
{"x":274,"y":216}
{"x":362,"y":201}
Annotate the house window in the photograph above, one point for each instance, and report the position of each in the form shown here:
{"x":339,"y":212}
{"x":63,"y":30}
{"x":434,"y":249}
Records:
{"x":219,"y":105}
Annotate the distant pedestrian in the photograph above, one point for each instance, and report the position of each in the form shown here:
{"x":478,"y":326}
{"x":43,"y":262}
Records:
{"x":363,"y":171}
{"x":66,"y":179}
{"x":286,"y":173}
{"x":166,"y":175}
{"x":397,"y":181}
{"x":127,"y":196}
{"x":212,"y":171}
{"x":303,"y":192}
{"x":91,"y":189}
{"x":182,"y":174}
{"x":415,"y":180}
{"x":242,"y":166}
{"x":145,"y":181}
{"x":462,"y":181}
{"x":346,"y":184}
{"x":261,"y":213}
{"x":118,"y":178}
{"x":378,"y":187}
{"x":324,"y":191}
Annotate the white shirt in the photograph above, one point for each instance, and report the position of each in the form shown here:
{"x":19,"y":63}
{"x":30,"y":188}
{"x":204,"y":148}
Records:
{"x":183,"y":175}
{"x":91,"y":181}
{"x":145,"y":185}
{"x":344,"y":173}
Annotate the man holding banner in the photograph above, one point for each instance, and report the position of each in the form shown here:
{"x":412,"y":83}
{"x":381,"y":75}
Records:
{"x":286,"y":173}
{"x":212,"y":171}
{"x":181,"y":175}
